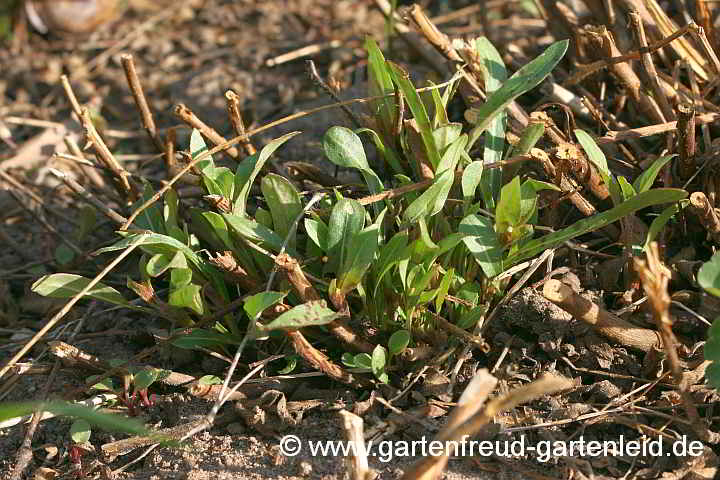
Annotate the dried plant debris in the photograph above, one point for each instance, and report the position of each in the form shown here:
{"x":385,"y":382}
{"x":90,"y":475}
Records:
{"x":230,"y":224}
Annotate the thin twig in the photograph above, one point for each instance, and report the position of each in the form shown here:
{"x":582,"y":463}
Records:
{"x":137,"y":91}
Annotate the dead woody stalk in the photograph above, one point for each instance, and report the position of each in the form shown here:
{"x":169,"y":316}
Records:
{"x":700,"y":205}
{"x":104,"y":154}
{"x":606,"y":323}
{"x":307,"y":292}
{"x":655,"y":278}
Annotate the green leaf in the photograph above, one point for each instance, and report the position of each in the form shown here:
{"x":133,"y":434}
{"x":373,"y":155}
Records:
{"x":445,"y":135}
{"x":391,"y":254}
{"x":249,"y":168}
{"x":661,"y":220}
{"x":318,"y":233}
{"x":443,"y":289}
{"x":417,"y":107}
{"x":441,"y":116}
{"x":292,"y":362}
{"x":380,"y":84}
{"x":626,"y":189}
{"x":712,"y":373}
{"x":158,"y":264}
{"x":188,"y":296}
{"x":470,"y":180}
{"x":64,"y":254}
{"x":593,"y":152}
{"x":452,"y":154}
{"x":200,"y":337}
{"x":312,"y":313}
{"x":597,"y":157}
{"x":106,"y":384}
{"x":495,"y":75}
{"x":216,"y":223}
{"x":284,"y":201}
{"x":146,"y":377}
{"x":170,"y":210}
{"x":378,"y":360}
{"x":259,"y":302}
{"x":117,"y":423}
{"x":348,"y":360}
{"x":344,"y":148}
{"x":483,"y":243}
{"x":586,"y":225}
{"x":709,"y":275}
{"x":527,"y":78}
{"x":363,"y":360}
{"x":647,"y":178}
{"x":359,"y":257}
{"x":154,"y":243}
{"x":508,"y":212}
{"x":528,"y":139}
{"x":210,"y":380}
{"x":388,"y":153}
{"x":711,"y":351}
{"x":183,"y":293}
{"x":264,"y":217}
{"x":67,"y":285}
{"x":152,"y":217}
{"x":432,"y":200}
{"x":398,"y":342}
{"x":198,"y":146}
{"x":346,"y":220}
{"x":470,"y":318}
{"x":255,"y":232}
{"x":180,"y":277}
{"x":528,"y":202}
{"x":80,"y":431}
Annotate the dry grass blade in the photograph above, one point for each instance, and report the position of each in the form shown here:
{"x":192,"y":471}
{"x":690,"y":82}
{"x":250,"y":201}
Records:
{"x":453,"y":436}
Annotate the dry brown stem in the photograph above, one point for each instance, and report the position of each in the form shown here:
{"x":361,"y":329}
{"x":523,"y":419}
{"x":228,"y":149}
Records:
{"x":106,"y":157}
{"x":339,"y":328}
{"x":655,"y":278}
{"x":471,"y":401}
{"x":140,"y":101}
{"x":89,"y":171}
{"x":624,"y":71}
{"x":233,"y":102}
{"x":606,"y":323}
{"x":469,"y":421}
{"x":650,"y":71}
{"x":700,"y":205}
{"x":226,"y":262}
{"x":623,"y":135}
{"x":321,"y":362}
{"x":121,"y":447}
{"x":686,"y":141}
{"x":582,"y":169}
{"x":585,"y":70}
{"x":90,"y":198}
{"x":357,"y":460}
{"x":187,"y":116}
